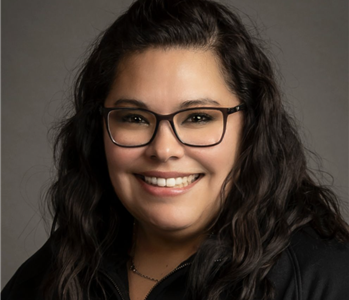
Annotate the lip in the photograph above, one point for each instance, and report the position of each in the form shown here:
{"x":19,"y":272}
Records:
{"x":166,"y":191}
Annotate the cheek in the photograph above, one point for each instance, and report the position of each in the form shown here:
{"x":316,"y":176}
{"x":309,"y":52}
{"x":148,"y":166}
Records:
{"x":220,"y":159}
{"x":121,"y":164}
{"x":121,"y":161}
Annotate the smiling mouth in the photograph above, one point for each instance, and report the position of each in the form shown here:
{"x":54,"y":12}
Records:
{"x":177,"y":182}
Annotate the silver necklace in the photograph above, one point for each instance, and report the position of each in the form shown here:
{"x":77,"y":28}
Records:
{"x":134,"y":270}
{"x":132,"y":265}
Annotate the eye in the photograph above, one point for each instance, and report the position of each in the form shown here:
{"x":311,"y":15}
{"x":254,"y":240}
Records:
{"x":198,"y":118}
{"x":134,"y":119}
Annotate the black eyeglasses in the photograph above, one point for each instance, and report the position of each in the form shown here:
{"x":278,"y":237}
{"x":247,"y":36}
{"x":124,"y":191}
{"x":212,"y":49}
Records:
{"x":195,"y":127}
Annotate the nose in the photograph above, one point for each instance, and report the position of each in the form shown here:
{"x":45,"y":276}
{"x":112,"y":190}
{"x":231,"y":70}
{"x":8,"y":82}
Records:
{"x":165,"y":145}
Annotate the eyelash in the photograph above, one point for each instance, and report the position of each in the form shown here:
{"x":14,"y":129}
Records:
{"x":133,"y":119}
{"x":206,"y":117}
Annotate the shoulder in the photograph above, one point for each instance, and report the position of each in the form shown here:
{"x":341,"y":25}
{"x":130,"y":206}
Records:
{"x":26,"y":282}
{"x":312,"y":268}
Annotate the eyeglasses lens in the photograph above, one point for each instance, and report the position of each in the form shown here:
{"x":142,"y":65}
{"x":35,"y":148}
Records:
{"x":199,"y":127}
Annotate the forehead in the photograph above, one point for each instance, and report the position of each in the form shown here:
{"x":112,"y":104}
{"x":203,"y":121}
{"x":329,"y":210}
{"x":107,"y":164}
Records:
{"x":163,"y":78}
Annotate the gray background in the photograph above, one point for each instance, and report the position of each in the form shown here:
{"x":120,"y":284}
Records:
{"x":43,"y":41}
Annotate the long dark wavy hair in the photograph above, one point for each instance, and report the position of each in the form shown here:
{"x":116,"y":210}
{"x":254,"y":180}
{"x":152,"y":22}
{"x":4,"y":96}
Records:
{"x":273,"y":193}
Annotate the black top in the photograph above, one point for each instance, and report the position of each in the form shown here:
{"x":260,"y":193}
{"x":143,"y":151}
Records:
{"x":309,"y":269}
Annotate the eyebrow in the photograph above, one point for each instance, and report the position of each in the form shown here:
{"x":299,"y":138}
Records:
{"x":132,"y":102}
{"x":183,"y":105}
{"x":199,"y":102}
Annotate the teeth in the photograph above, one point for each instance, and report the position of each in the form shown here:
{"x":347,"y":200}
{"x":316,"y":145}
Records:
{"x":179,"y":180}
{"x":161,"y":182}
{"x":153,"y":180}
{"x":171,"y":182}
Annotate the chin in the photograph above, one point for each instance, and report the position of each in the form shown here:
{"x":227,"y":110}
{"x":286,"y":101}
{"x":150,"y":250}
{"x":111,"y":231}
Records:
{"x":171,"y":221}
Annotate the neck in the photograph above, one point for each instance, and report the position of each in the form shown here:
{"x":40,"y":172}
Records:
{"x":169,"y":248}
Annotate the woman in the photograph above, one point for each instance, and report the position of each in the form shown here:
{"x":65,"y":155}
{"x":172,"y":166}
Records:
{"x":180,"y":175}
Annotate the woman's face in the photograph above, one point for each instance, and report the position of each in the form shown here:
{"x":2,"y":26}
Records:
{"x":164,"y":81}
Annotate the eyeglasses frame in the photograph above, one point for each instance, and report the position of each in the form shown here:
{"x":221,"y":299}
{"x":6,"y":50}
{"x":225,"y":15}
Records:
{"x":225,"y":110}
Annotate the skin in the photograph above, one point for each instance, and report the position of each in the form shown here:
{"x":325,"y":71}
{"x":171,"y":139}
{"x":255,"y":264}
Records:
{"x":170,"y":225}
